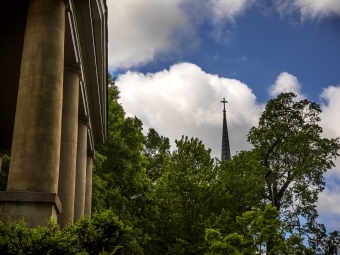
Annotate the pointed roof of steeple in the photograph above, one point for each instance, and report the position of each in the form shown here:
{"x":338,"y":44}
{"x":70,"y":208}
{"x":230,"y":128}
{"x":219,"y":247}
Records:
{"x":225,"y":154}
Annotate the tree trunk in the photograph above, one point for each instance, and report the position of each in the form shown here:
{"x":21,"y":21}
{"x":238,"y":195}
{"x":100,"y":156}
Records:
{"x":270,"y":246}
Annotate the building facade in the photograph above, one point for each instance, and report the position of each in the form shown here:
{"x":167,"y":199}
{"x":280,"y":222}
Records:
{"x":53,"y":106}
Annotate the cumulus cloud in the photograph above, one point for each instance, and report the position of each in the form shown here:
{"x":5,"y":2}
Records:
{"x":329,"y":203}
{"x":185,"y":100}
{"x":330,"y":121}
{"x":139,"y":31}
{"x":286,"y":82}
{"x":309,"y":8}
{"x":331,"y":110}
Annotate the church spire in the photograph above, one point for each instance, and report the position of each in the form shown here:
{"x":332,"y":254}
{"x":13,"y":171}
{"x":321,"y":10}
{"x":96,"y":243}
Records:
{"x":225,"y":155}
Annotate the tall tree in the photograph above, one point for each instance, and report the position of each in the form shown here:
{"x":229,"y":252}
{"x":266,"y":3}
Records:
{"x":156,"y":150}
{"x":120,"y":180}
{"x":184,"y":200}
{"x":254,"y":229}
{"x":294,"y":157}
{"x":243,"y":190}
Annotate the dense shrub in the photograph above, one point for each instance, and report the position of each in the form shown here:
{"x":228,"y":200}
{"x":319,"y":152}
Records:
{"x":103,"y":234}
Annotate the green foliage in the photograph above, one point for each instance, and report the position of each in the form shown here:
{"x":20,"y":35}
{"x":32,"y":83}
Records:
{"x":241,"y":178}
{"x":184,"y":198}
{"x":294,"y":157}
{"x":99,"y":185}
{"x":156,"y":150}
{"x":289,"y":145}
{"x":104,"y":234}
{"x":254,"y":229}
{"x":120,"y":180}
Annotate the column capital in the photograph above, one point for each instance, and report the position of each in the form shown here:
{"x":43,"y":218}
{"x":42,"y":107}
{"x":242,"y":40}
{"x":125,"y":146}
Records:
{"x":84,"y":120}
{"x":74,"y":68}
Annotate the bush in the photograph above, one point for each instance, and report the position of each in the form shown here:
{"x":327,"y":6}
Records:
{"x":103,"y":234}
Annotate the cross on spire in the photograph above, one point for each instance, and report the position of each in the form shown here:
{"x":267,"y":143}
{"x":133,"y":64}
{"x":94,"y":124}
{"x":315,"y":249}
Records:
{"x":224,"y":104}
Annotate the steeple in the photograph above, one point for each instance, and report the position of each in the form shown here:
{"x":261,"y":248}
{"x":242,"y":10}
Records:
{"x":225,"y":155}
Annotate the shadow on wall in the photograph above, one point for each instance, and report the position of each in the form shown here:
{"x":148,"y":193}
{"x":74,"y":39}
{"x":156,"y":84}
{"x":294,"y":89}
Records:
{"x":4,"y":173}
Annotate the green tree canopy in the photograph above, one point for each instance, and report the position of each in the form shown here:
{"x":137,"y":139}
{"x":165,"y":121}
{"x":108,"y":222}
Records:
{"x":294,"y":157}
{"x":120,"y":180}
{"x":156,"y":150}
{"x":184,"y":198}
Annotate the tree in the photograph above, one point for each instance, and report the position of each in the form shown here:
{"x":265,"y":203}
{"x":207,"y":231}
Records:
{"x":184,"y":199}
{"x":156,"y":150}
{"x":254,"y":229}
{"x":120,"y":180}
{"x":242,"y":188}
{"x":294,"y":157}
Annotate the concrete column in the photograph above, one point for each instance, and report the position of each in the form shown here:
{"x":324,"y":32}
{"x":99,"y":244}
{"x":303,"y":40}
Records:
{"x":79,"y":199}
{"x":35,"y":151}
{"x":68,"y":148}
{"x":88,"y":194}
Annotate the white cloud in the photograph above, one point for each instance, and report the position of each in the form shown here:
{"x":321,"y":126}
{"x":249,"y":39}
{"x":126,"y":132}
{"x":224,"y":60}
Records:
{"x":185,"y":100}
{"x":328,"y":205}
{"x":329,"y":201}
{"x":330,"y":120}
{"x":286,"y":82}
{"x":140,"y":30}
{"x":331,"y":110}
{"x":228,"y":9}
{"x":310,"y":8}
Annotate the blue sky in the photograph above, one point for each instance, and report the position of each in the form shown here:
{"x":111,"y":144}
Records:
{"x":176,"y":59}
{"x":261,"y":45}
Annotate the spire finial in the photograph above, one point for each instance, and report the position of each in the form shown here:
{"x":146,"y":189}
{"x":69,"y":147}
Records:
{"x":224,"y":104}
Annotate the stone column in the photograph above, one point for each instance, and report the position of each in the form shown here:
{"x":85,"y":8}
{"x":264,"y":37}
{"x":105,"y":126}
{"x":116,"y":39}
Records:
{"x":33,"y":175}
{"x":88,"y":194}
{"x":79,"y":199}
{"x":68,"y":148}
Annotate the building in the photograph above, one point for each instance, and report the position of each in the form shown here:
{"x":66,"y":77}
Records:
{"x":53,"y":105}
{"x":225,"y":153}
